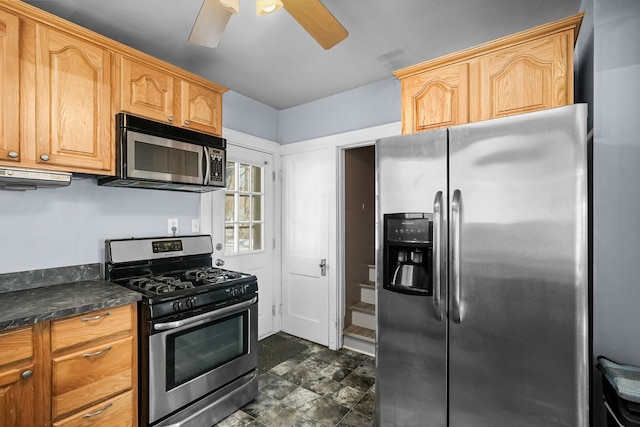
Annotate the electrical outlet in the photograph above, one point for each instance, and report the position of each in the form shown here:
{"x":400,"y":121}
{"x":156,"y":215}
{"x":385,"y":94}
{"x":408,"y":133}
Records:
{"x":195,"y":225}
{"x":172,"y":226}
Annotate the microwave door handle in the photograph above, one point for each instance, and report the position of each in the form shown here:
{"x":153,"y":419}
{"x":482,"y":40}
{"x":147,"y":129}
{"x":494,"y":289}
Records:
{"x":207,"y":164}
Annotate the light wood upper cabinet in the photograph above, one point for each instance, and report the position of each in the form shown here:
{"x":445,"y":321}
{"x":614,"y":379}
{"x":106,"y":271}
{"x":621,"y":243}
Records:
{"x":145,"y":90}
{"x":528,"y":77}
{"x":9,"y":87}
{"x":61,"y":86}
{"x":528,"y":71}
{"x":73,"y":112}
{"x":201,"y":108}
{"x":438,"y":98}
{"x":20,"y":382}
{"x":160,"y":94}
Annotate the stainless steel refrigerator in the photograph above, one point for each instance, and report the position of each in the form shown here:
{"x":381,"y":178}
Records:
{"x":482,"y":274}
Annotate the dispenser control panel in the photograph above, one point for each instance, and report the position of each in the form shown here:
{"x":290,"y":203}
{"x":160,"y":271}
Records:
{"x":417,"y":230}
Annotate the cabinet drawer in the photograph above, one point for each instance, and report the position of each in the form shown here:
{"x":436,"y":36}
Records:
{"x":117,"y":411}
{"x":94,"y":373}
{"x":91,"y":326}
{"x":16,"y":345}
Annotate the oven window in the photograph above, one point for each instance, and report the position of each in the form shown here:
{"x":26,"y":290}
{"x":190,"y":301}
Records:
{"x":156,"y":158}
{"x":199,"y":350}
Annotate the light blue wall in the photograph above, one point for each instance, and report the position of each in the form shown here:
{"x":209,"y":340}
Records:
{"x":248,"y":116}
{"x":616,"y":177}
{"x":371,"y":105}
{"x":67,"y":226}
{"x":374,"y":104}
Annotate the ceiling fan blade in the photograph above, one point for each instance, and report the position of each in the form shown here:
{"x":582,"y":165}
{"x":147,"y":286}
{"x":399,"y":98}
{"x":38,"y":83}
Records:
{"x":314,"y":17}
{"x":210,"y":24}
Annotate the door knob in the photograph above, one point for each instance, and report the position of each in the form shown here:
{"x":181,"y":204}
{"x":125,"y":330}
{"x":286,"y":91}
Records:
{"x":323,"y":267}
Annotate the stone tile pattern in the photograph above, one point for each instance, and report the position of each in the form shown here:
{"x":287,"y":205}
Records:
{"x":315,"y":388}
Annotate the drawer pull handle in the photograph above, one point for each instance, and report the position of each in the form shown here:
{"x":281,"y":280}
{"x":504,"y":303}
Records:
{"x":93,"y":414}
{"x":99,"y":316}
{"x":27,"y":374}
{"x":97,"y":353}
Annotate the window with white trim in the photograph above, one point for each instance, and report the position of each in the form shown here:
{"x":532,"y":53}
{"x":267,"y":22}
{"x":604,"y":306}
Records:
{"x":244,"y":208}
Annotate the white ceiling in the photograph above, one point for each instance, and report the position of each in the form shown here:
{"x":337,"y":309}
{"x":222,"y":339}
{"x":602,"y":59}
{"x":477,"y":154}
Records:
{"x":272,"y":60}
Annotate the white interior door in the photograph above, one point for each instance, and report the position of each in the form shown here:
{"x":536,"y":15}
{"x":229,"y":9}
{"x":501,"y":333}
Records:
{"x":305,"y":241}
{"x":243,"y":224}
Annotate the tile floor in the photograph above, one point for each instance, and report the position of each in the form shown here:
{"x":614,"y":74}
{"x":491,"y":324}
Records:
{"x":316,"y":387}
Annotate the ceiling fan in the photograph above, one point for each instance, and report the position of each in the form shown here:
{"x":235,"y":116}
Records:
{"x":312,"y":15}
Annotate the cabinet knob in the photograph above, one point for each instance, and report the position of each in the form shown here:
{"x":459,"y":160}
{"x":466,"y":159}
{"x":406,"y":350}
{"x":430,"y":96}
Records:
{"x":170,"y":118}
{"x":13,"y":154}
{"x":186,"y":122}
{"x":44,"y":157}
{"x":27,"y":374}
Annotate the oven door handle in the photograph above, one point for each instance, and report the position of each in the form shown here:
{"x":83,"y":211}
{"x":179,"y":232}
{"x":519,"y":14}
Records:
{"x":179,"y":323}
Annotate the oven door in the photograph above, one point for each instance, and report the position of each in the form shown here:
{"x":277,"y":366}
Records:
{"x":193,"y":357}
{"x":161,"y":159}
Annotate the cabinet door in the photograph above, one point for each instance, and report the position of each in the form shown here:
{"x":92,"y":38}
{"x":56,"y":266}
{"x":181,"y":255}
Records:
{"x":17,"y":379}
{"x":436,"y":98}
{"x":530,"y":76}
{"x":146,"y":91}
{"x":201,"y":108}
{"x":73,"y":114}
{"x":9,"y":79}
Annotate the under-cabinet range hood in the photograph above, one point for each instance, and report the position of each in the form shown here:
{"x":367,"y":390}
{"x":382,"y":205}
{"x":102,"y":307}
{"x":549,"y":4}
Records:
{"x":30,"y":179}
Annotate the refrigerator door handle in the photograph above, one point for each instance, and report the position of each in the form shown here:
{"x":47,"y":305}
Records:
{"x":456,"y":212}
{"x":438,"y":307}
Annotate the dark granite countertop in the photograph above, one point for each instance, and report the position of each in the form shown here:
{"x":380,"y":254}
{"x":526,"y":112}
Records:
{"x":28,"y":306}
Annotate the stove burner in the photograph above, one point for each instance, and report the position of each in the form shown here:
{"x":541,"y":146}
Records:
{"x":160,"y":284}
{"x":211,"y":275}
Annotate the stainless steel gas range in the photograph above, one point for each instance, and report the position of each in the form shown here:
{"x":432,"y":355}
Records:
{"x":198,"y":328}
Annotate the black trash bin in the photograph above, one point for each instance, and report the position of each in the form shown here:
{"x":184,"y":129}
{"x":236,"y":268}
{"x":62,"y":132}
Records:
{"x":621,"y":393}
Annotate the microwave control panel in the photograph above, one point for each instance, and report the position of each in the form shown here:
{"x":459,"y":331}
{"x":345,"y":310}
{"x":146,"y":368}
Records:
{"x":218,"y":166}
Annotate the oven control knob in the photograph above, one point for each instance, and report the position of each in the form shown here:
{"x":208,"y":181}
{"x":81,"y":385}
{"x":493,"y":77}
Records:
{"x":177,"y":305}
{"x":191,"y":302}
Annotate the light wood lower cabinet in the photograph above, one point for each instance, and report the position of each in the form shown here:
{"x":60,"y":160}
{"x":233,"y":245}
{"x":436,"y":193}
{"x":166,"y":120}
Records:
{"x":109,"y":413}
{"x":77,"y":371}
{"x":527,"y":71}
{"x":20,"y":378}
{"x":94,"y":359}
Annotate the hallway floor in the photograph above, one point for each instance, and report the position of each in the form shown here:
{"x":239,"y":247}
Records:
{"x":315,"y":387}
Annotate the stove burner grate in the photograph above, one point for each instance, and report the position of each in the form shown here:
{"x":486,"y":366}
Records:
{"x":160,"y":284}
{"x":211,"y":275}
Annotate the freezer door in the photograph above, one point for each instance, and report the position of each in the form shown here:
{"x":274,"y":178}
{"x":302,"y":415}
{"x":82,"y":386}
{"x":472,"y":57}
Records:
{"x":411,"y":341}
{"x":519,"y":271}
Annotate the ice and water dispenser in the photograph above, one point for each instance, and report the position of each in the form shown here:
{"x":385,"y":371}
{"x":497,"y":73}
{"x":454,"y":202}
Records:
{"x":408,"y":249}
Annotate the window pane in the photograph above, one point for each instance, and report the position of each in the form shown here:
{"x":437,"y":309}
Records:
{"x":256,"y":208}
{"x":256,"y":237}
{"x":243,"y":238}
{"x":231,"y":176}
{"x":229,"y":239}
{"x":257,"y":179}
{"x":228,"y":207}
{"x":244,"y":211}
{"x":244,"y":177}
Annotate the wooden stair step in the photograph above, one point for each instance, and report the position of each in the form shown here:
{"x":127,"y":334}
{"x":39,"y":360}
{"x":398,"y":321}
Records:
{"x":368,"y":284}
{"x":364,"y":307}
{"x":359,"y":332}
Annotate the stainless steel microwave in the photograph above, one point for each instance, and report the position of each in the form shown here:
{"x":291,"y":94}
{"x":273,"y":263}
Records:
{"x":160,"y":156}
